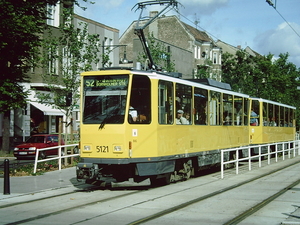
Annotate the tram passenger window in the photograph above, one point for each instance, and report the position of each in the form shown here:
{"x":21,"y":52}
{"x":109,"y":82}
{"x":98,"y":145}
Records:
{"x":254,"y":113}
{"x":286,"y":117}
{"x":292,"y":118}
{"x":165,"y":102}
{"x":281,"y":116}
{"x":271,"y":116}
{"x":227,"y":109}
{"x":265,"y":114}
{"x":214,"y":108}
{"x":183,"y":104}
{"x":200,"y":102}
{"x":140,"y":100}
{"x":238,"y":111}
{"x":245,"y":109}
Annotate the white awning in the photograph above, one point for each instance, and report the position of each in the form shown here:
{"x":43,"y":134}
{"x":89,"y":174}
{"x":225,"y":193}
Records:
{"x":47,"y":110}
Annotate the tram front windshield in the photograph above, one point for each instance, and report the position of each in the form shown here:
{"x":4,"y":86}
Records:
{"x":104,"y":99}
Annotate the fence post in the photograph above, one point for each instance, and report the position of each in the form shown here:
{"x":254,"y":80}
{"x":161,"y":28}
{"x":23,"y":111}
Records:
{"x":259,"y":153}
{"x":269,"y":156}
{"x":222,"y":166}
{"x":237,"y":161}
{"x":249,"y":158}
{"x":6,"y":190}
{"x":36,"y":160}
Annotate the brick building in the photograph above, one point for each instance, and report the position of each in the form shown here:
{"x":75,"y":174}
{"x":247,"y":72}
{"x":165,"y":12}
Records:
{"x":192,"y":50}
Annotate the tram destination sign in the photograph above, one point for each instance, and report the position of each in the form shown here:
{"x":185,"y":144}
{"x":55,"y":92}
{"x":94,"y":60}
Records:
{"x":96,"y":82}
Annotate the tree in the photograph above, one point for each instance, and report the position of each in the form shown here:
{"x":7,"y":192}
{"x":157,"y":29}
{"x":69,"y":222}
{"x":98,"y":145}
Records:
{"x":74,"y":51}
{"x":237,"y":70}
{"x":263,"y":77}
{"x":22,"y":24}
{"x":160,"y":54}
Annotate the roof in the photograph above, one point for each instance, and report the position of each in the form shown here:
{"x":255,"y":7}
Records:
{"x":198,"y":35}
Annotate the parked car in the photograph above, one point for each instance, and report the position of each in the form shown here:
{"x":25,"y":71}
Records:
{"x":38,"y":141}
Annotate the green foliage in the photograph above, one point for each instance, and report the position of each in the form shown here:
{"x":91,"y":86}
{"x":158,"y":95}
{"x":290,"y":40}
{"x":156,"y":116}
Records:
{"x":42,"y":167}
{"x":65,"y":56}
{"x":263,"y":77}
{"x":160,"y":55}
{"x":21,"y":22}
{"x":203,"y":71}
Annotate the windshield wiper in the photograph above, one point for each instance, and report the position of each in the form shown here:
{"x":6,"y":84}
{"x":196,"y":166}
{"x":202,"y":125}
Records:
{"x":114,"y":113}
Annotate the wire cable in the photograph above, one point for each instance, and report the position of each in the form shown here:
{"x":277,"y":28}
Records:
{"x":287,"y":22}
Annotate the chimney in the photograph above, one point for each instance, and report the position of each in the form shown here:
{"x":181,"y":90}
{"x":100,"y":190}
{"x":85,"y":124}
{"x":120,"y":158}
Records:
{"x":239,"y":47}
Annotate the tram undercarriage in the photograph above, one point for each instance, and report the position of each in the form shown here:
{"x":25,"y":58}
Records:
{"x":160,"y":172}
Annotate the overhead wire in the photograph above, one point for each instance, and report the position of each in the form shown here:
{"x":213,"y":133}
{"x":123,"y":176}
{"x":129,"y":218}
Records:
{"x":287,"y":22}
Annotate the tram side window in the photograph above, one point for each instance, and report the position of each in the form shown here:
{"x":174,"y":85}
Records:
{"x":272,"y":116}
{"x":238,"y":111}
{"x":281,"y":116}
{"x":140,"y":100}
{"x":286,"y":117}
{"x":254,"y":113}
{"x":200,"y":102}
{"x":292,"y":118}
{"x":265,"y":114}
{"x":245,"y":108}
{"x":183,"y":104}
{"x":165,"y":102}
{"x":227,"y":109}
{"x":214,"y":108}
{"x":277,"y":115}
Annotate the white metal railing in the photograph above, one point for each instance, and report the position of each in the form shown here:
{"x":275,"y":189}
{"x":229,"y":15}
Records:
{"x":59,"y":157}
{"x":292,"y":147}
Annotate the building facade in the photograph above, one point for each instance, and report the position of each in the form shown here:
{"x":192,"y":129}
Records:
{"x":194,"y":53}
{"x":43,"y":118}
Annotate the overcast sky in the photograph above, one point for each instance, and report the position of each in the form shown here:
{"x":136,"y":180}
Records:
{"x":252,"y":23}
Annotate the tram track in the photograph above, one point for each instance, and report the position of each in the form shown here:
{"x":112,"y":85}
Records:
{"x":235,"y":220}
{"x":87,"y":189}
{"x":61,"y":211}
{"x":120,"y":201}
{"x":260,"y":205}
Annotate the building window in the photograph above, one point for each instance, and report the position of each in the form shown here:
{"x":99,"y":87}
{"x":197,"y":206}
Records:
{"x":53,"y":15}
{"x":215,"y":58}
{"x":53,"y":61}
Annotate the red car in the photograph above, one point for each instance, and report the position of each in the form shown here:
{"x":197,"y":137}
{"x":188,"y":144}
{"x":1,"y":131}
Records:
{"x":38,"y":141}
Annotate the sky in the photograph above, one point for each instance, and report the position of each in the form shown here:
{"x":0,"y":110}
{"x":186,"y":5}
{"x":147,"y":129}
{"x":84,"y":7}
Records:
{"x":252,"y":23}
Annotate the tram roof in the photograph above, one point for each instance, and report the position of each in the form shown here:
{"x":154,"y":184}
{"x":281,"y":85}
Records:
{"x":163,"y":76}
{"x":273,"y":102}
{"x":175,"y":77}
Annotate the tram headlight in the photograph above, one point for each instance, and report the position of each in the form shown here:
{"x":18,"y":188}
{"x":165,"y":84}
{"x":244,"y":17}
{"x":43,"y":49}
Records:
{"x":117,"y":148}
{"x":87,"y":148}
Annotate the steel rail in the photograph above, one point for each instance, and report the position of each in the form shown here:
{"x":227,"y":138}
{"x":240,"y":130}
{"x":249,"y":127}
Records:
{"x":183,"y":205}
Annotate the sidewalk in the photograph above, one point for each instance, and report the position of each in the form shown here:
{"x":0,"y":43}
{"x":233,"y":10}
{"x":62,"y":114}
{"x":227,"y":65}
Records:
{"x":32,"y":184}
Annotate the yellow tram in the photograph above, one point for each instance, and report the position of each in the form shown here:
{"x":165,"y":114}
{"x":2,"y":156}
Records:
{"x":146,"y":124}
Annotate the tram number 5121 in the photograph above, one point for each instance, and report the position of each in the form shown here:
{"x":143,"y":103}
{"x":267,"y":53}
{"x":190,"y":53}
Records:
{"x":103,"y":149}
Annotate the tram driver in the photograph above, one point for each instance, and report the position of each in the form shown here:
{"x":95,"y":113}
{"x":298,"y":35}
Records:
{"x":133,"y":114}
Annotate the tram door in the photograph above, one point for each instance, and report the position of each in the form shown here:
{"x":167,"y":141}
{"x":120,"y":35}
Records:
{"x":214,"y":108}
{"x":165,"y":102}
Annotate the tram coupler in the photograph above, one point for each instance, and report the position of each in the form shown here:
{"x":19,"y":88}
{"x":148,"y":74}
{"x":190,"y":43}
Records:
{"x":86,"y":170}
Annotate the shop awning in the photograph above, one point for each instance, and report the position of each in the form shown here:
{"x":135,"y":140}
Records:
{"x":47,"y":110}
